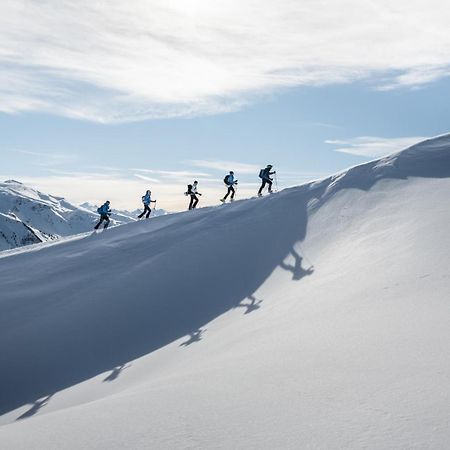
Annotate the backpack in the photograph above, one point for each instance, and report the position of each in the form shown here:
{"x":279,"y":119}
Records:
{"x":261,"y":173}
{"x":100,"y":210}
{"x":226,"y":179}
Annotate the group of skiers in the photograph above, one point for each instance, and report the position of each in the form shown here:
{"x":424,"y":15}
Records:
{"x":192,"y":191}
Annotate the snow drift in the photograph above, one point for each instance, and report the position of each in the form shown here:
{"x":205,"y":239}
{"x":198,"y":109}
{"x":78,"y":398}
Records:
{"x":313,"y":318}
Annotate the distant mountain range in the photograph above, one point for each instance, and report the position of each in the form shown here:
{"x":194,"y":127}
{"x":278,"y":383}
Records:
{"x":28,"y":216}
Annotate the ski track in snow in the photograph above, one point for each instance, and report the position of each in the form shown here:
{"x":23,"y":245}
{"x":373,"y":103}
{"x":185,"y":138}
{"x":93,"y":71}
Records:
{"x":314,"y":318}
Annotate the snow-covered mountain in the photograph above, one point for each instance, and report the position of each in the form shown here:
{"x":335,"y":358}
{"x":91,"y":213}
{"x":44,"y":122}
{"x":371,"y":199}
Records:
{"x":28,"y":216}
{"x":14,"y":233}
{"x":317,"y":317}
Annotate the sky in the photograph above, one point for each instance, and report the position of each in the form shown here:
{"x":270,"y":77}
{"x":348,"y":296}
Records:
{"x":103,"y":100}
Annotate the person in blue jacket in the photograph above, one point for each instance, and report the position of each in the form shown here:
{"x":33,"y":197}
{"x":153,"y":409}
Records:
{"x":230,"y":182}
{"x":264,"y":174}
{"x":146,"y":200}
{"x":104,"y":212}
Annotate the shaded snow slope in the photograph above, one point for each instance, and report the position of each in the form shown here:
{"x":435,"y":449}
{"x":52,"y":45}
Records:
{"x":211,"y":328}
{"x":14,"y":233}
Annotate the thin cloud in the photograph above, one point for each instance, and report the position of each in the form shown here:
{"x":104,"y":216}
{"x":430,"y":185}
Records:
{"x":178,"y":174}
{"x":225,"y":166}
{"x":145,"y":178}
{"x":106,"y":62}
{"x":47,"y":159}
{"x":373,"y":147}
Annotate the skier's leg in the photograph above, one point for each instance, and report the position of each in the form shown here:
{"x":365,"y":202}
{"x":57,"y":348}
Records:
{"x":231,"y":189}
{"x":226,"y":195}
{"x":263,"y":185}
{"x":191,"y":202}
{"x":195,"y":202}
{"x":106,"y":223}
{"x":270,"y":185}
{"x":99,"y":223}
{"x":147,"y":208}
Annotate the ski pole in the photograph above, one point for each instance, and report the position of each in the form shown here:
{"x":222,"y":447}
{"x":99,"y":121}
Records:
{"x":276,"y":181}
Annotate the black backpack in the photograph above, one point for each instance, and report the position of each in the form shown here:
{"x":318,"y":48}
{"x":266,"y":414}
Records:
{"x":261,"y":173}
{"x":225,"y":180}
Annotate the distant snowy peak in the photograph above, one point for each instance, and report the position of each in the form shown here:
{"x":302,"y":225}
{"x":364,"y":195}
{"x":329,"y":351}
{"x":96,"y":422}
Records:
{"x":30,"y":216}
{"x":14,"y":233}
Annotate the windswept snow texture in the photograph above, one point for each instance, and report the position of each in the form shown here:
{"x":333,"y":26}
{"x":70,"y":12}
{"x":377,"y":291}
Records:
{"x":29,"y":216}
{"x":317,"y":317}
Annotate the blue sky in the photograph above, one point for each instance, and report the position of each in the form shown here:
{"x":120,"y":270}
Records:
{"x":141,"y":102}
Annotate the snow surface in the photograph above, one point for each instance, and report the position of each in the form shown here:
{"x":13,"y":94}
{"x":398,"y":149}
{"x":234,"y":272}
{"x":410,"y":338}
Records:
{"x":317,"y":317}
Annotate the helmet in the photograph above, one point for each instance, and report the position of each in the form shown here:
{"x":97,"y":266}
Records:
{"x":269,"y":166}
{"x":107,"y":201}
{"x":195,"y":182}
{"x":231,"y":172}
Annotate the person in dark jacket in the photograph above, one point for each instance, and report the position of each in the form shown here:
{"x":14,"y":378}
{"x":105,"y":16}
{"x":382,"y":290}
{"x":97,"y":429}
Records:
{"x":264,"y":174}
{"x":104,"y":212}
{"x":192,"y":191}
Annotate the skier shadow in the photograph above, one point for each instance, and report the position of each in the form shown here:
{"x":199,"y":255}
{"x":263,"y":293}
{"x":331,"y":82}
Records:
{"x":298,"y":272}
{"x":254,"y":304}
{"x":36,"y":407}
{"x":194,"y":336}
{"x":116,"y":372}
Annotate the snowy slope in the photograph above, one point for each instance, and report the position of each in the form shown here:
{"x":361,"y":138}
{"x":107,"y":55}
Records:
{"x":14,"y":233}
{"x":46,"y":216}
{"x":210,"y":329}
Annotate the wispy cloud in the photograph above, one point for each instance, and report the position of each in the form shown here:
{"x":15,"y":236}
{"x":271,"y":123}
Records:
{"x":105,"y":61}
{"x":47,"y":159}
{"x":225,"y":166}
{"x":176,"y":174}
{"x":373,"y":147}
{"x":145,"y":178}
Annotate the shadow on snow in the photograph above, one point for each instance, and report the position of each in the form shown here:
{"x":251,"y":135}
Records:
{"x":152,"y":289}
